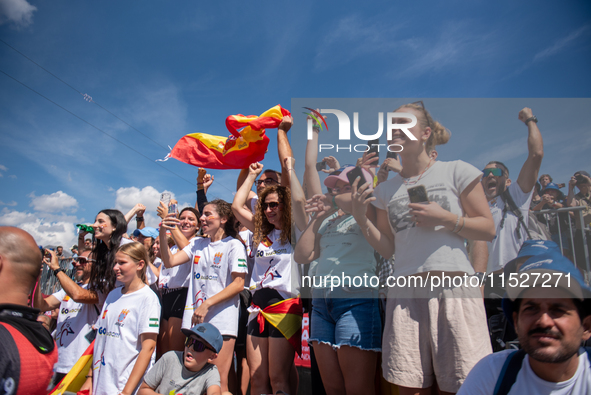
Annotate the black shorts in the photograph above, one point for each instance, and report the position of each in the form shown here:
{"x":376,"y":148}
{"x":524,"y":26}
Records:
{"x":263,"y":298}
{"x":245,"y":301}
{"x":173,"y":303}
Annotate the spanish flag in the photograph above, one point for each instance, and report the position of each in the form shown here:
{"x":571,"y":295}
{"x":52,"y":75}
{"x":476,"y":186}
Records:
{"x":77,"y":375}
{"x":238,"y":150}
{"x":286,"y":316}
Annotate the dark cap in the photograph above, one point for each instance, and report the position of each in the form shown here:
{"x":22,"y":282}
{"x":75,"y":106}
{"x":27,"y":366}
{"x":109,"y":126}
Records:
{"x":208,"y":333}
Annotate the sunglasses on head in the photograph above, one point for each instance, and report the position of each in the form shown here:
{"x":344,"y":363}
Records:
{"x":422,"y":105}
{"x":495,"y":172}
{"x":272,"y":205}
{"x":196,"y":345}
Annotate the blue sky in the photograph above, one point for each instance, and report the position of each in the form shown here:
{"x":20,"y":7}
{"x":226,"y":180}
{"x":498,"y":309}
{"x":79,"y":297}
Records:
{"x":169,"y":69}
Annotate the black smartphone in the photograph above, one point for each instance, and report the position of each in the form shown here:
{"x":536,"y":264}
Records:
{"x":353,"y":174}
{"x":418,"y":194}
{"x":392,"y":154}
{"x":373,"y":146}
{"x":321,"y":166}
{"x":580,"y":179}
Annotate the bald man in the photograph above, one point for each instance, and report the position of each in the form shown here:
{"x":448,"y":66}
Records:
{"x":28,"y":350}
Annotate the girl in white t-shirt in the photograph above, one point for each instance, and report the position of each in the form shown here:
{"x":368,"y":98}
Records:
{"x":444,"y":331}
{"x":218,"y":264}
{"x":126,"y":328}
{"x":269,"y":354}
{"x":173,"y":282}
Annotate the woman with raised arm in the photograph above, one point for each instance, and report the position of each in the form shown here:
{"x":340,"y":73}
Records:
{"x":127,"y":327}
{"x":346,"y":330}
{"x":430,"y":334}
{"x":173,"y":282}
{"x":218,"y":264}
{"x":269,"y":353}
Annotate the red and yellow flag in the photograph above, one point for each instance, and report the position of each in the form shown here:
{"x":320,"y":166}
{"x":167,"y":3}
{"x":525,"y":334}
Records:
{"x":286,"y":316}
{"x":77,"y":375}
{"x":237,"y":151}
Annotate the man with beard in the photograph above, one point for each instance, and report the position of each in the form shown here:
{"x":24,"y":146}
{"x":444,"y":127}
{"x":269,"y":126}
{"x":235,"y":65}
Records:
{"x":77,"y":311}
{"x":552,"y":319}
{"x":495,"y":180}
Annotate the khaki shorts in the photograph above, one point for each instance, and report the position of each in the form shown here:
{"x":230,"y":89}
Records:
{"x":440,"y":334}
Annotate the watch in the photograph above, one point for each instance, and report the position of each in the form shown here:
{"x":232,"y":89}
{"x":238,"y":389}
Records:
{"x":532,"y":118}
{"x":56,"y":271}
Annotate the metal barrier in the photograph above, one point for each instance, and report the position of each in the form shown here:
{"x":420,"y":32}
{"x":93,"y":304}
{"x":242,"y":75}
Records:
{"x":576,"y":243}
{"x":49,"y":282}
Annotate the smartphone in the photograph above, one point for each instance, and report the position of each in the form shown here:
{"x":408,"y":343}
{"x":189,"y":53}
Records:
{"x":580,"y":179}
{"x":353,"y":174}
{"x":418,"y":194}
{"x":321,"y":166}
{"x":373,"y":146}
{"x":392,"y":155}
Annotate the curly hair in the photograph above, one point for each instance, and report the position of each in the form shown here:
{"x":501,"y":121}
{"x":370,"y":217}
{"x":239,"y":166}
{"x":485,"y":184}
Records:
{"x":224,"y":209}
{"x":102,"y":277}
{"x":137,"y":252}
{"x":261,"y":223}
{"x":439,"y":133}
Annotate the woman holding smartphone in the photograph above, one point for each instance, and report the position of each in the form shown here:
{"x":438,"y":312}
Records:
{"x":445,"y":330}
{"x":218,"y":264}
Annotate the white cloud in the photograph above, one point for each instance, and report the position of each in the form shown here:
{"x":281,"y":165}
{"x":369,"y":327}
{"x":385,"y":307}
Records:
{"x":3,"y":168}
{"x":20,"y":12}
{"x":12,"y":204}
{"x":127,"y":198}
{"x":56,"y":202}
{"x":12,"y":176}
{"x":559,"y":45}
{"x":45,"y":232}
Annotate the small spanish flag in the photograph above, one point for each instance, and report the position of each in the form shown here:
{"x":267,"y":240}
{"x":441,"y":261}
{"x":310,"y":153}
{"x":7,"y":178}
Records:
{"x":73,"y":381}
{"x":267,"y":242}
{"x":286,"y":316}
{"x":238,"y":150}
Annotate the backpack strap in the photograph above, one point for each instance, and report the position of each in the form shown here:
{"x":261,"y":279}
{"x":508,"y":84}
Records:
{"x":510,"y":204}
{"x":509,"y":372}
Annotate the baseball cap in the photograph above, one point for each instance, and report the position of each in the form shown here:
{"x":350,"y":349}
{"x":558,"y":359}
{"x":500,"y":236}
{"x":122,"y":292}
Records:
{"x":555,"y":187}
{"x":146,"y":232}
{"x":331,"y":180}
{"x":208,"y":333}
{"x":530,"y":248}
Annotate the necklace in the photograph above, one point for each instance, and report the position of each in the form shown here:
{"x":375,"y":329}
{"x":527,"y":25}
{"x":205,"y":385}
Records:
{"x":407,"y":180}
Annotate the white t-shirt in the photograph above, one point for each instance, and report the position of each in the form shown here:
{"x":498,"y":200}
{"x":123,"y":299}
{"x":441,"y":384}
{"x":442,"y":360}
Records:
{"x":74,"y":322}
{"x":150,"y":276}
{"x":505,"y":246}
{"x":273,"y":267}
{"x":482,"y":379}
{"x":246,"y":236}
{"x":422,"y":249}
{"x":176,"y":277}
{"x":123,"y":319}
{"x":212,"y":266}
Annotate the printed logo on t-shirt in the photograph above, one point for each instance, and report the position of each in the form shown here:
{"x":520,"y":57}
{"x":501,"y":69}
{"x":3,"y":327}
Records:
{"x":66,"y":330}
{"x":66,"y":298}
{"x":241,"y":262}
{"x":196,"y":259}
{"x":153,"y":323}
{"x":104,"y":314}
{"x":69,"y":311}
{"x":199,"y":276}
{"x":122,"y":316}
{"x":217,"y":259}
{"x":199,"y":298}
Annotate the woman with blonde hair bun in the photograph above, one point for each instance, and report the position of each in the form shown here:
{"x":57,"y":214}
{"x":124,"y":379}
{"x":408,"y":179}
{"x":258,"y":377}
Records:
{"x":424,"y":214}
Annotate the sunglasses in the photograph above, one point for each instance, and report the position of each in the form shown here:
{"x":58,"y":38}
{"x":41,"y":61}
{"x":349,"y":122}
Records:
{"x":271,"y":205}
{"x":196,"y":345}
{"x":495,"y":172}
{"x":422,"y":105}
{"x":346,"y":188}
{"x":82,"y":261}
{"x":267,"y":181}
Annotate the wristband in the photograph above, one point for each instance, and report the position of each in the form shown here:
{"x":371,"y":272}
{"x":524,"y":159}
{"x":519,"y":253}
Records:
{"x":56,"y":271}
{"x":334,"y":203}
{"x":533,"y":118}
{"x":457,"y":223}
{"x":463,"y":223}
{"x":139,"y":218}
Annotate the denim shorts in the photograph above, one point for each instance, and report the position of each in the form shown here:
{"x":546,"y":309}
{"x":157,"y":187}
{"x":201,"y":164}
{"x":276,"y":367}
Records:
{"x":339,"y":320}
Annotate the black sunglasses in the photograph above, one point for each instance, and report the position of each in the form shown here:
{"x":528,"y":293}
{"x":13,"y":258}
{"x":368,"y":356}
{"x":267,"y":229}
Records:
{"x":267,"y":181}
{"x":196,"y":345}
{"x":422,"y":105}
{"x":272,"y":205}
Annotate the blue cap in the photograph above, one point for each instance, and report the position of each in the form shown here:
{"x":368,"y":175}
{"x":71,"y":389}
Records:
{"x":208,"y":333}
{"x":554,"y":263}
{"x":146,"y":232}
{"x":556,"y":188}
{"x":530,"y":248}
